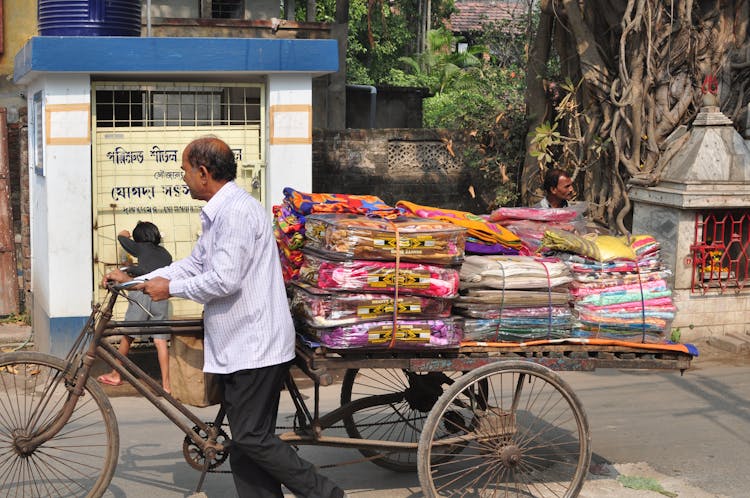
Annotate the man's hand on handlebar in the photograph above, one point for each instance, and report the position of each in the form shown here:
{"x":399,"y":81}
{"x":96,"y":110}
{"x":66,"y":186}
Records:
{"x":157,"y":288}
{"x":119,"y":277}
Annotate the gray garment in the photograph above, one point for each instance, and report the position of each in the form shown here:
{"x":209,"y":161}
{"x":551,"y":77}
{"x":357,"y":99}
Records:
{"x":544,"y":203}
{"x":134,"y":313}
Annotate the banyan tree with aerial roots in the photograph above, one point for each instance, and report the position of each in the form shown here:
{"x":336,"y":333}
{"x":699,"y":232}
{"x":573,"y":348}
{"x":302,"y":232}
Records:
{"x":638,"y":71}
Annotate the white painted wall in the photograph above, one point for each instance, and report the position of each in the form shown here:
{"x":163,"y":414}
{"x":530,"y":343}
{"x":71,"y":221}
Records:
{"x":61,"y":215}
{"x":289,"y":165}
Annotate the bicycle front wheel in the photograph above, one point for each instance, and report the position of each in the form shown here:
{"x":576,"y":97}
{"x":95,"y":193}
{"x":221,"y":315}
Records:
{"x":80,"y":459}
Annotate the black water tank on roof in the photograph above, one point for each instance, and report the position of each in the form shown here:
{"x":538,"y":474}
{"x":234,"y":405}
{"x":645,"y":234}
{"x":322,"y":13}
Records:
{"x":89,"y":17}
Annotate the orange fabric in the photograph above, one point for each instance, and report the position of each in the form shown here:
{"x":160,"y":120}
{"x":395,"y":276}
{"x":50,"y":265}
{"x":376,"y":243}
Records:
{"x":681,"y":348}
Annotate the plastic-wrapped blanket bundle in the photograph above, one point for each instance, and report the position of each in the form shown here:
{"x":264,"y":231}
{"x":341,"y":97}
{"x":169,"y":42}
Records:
{"x":289,"y":220}
{"x":320,"y":308}
{"x":380,"y":276}
{"x":514,"y":299}
{"x":519,"y":325}
{"x":624,"y":299}
{"x":351,"y":236}
{"x":482,"y":237}
{"x":513,"y":272}
{"x":443,"y":333}
{"x":370,"y":276}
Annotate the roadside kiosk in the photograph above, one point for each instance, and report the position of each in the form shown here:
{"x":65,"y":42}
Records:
{"x":108,"y":120}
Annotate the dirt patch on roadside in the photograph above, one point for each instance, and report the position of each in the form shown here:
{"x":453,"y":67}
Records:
{"x":605,"y":483}
{"x":712,"y":354}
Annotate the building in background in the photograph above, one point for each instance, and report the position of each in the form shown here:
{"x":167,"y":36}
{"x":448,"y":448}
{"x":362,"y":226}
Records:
{"x":108,"y":117}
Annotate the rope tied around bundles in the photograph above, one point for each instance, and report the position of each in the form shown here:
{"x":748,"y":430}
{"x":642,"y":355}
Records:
{"x":643,"y":302}
{"x":549,"y":299}
{"x":396,"y":279}
{"x":502,"y":303}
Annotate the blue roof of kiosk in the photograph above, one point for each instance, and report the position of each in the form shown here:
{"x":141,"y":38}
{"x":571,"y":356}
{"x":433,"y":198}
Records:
{"x":117,"y":55}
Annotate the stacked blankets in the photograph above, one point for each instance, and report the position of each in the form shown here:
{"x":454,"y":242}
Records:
{"x":529,"y":223}
{"x":514,"y":298}
{"x":370,"y":282}
{"x":351,"y":236}
{"x":624,"y":299}
{"x":482,"y":235}
{"x":289,"y":220}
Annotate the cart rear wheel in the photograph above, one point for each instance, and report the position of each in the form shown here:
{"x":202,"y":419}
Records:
{"x":400,"y":420}
{"x":513,"y":428}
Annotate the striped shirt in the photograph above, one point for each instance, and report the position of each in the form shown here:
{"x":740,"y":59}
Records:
{"x":234,"y":271}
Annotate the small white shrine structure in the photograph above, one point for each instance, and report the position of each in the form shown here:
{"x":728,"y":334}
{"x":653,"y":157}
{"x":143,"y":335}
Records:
{"x":700,"y":212}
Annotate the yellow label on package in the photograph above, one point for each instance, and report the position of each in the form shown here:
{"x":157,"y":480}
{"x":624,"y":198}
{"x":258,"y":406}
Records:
{"x":385,"y":306}
{"x":315,"y":231}
{"x":408,"y":333}
{"x":415,"y":242}
{"x":384,"y":278}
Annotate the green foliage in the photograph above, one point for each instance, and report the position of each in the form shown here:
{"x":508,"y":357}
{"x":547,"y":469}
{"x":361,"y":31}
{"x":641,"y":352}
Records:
{"x":560,"y":143}
{"x":676,"y":335}
{"x":645,"y":483}
{"x":440,"y":67}
{"x":491,"y":114}
{"x":479,"y":92}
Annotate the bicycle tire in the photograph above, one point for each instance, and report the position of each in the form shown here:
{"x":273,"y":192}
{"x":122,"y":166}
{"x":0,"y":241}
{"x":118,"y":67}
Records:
{"x":514,"y":429}
{"x":80,"y":459}
{"x":400,"y":421}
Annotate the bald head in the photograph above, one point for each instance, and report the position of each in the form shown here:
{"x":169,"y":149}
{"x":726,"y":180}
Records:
{"x":215,"y":155}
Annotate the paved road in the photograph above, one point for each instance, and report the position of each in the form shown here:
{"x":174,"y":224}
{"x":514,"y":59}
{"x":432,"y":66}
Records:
{"x":690,"y":433}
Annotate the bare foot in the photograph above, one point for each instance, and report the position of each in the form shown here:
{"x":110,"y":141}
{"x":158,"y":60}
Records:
{"x":109,"y":380}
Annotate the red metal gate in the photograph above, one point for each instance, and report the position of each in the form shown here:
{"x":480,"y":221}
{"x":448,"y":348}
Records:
{"x":721,"y":250}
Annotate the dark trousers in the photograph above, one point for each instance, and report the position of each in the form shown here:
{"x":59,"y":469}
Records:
{"x":260,"y":461}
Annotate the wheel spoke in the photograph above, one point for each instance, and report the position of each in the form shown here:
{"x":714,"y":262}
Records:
{"x":398,"y":422}
{"x":79,"y":460}
{"x":512,"y":428}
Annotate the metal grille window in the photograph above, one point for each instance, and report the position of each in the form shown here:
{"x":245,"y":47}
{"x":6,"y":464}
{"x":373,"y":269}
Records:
{"x":227,"y":9}
{"x":140,"y":130}
{"x":188,"y":106}
{"x":721,"y":251}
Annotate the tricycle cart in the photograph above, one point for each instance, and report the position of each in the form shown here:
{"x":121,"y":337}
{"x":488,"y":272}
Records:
{"x":481,"y":420}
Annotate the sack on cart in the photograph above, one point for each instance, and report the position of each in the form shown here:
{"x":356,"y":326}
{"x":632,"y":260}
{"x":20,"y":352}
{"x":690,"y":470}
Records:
{"x":188,"y":381}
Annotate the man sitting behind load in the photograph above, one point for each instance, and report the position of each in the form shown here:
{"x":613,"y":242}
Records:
{"x":558,"y":189}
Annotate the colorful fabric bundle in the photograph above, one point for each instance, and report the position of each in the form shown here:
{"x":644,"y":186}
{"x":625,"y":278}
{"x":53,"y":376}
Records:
{"x":409,"y":334}
{"x":505,"y":214}
{"x":623,"y":299}
{"x":503,"y":298}
{"x":513,"y":272}
{"x":514,"y":298}
{"x":407,"y":238}
{"x":504,"y":330}
{"x":290,"y":215}
{"x":592,"y":246}
{"x":320,"y":308}
{"x":288,"y":229}
{"x":309,"y":203}
{"x":476,"y":226}
{"x":476,"y":246}
{"x":380,"y":276}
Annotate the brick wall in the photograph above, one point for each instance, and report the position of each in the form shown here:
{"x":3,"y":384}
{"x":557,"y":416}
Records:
{"x":393,"y":164}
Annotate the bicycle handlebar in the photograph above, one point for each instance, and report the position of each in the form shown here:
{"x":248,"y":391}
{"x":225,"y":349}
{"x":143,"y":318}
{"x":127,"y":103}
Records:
{"x":115,"y":286}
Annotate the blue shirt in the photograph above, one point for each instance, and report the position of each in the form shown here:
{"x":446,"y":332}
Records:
{"x":234,"y":271}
